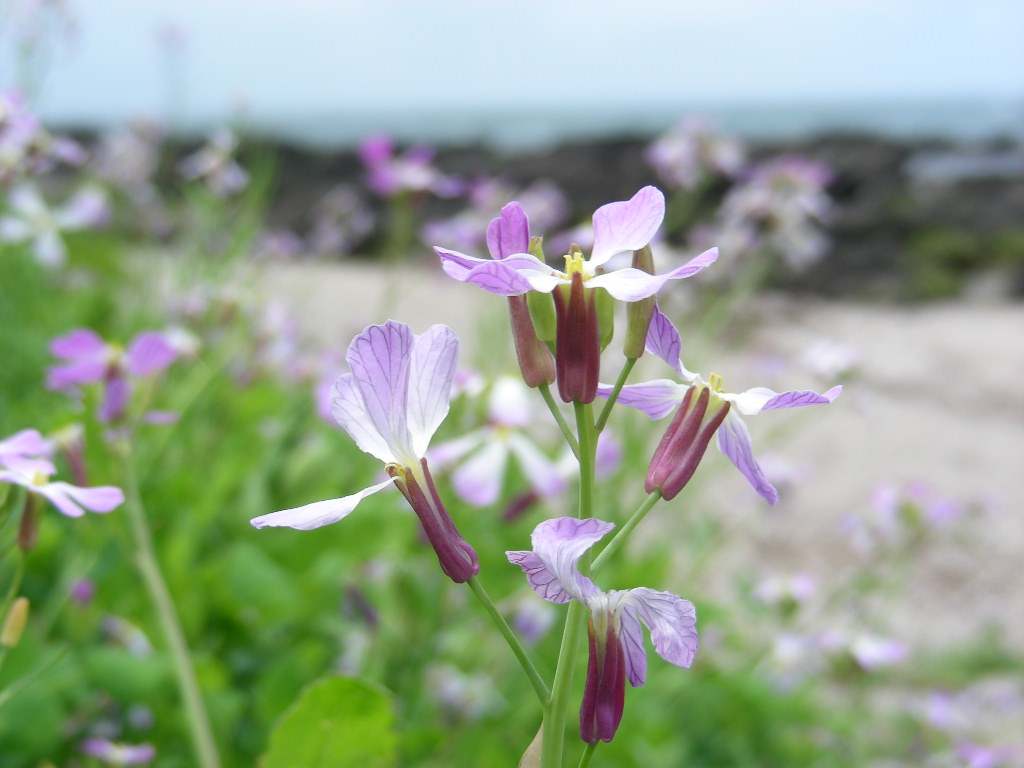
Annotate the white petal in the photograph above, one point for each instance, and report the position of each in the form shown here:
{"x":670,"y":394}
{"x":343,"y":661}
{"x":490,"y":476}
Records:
{"x":434,"y":356}
{"x":319,"y":513}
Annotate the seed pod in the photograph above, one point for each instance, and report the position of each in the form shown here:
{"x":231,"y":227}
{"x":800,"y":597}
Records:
{"x":639,"y":313}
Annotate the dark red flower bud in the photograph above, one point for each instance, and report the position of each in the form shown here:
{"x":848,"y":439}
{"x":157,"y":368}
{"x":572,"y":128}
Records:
{"x":457,"y":558}
{"x":519,"y":506}
{"x":577,"y":345}
{"x":604,"y":694}
{"x":684,"y":442}
{"x":534,"y":357}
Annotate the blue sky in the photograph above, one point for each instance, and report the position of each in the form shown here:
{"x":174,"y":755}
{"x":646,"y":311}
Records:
{"x":273,"y":58}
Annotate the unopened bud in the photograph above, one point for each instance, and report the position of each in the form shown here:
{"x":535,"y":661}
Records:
{"x":14,"y":623}
{"x":604,"y":692}
{"x":639,"y":313}
{"x":457,"y":558}
{"x":684,"y":442}
{"x":605,"y":316}
{"x":577,"y":346}
{"x":532,"y":354}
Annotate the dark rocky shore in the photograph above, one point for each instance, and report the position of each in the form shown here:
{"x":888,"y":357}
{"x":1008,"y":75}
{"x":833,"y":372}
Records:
{"x":912,"y":220}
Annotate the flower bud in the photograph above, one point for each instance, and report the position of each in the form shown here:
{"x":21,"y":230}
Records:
{"x":605,"y":316}
{"x":604,"y":693}
{"x":14,"y":623}
{"x":535,"y":363}
{"x":457,"y":558}
{"x":685,"y":441}
{"x":639,"y":313}
{"x":577,"y":346}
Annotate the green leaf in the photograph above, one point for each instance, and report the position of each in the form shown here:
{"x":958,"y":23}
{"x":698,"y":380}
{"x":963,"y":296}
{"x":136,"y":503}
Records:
{"x":336,"y":723}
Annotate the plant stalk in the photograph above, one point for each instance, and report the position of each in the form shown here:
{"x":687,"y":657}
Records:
{"x":602,"y":420}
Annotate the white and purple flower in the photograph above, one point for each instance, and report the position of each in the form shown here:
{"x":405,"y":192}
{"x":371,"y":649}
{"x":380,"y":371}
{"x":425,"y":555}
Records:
{"x":683,"y":444}
{"x":25,"y":461}
{"x":391,"y":403}
{"x":215,"y":165}
{"x":619,"y":228}
{"x":115,"y":753}
{"x":389,"y":173}
{"x":478,"y":480}
{"x":29,"y":219}
{"x":617,"y":649}
{"x":88,"y":359}
{"x":690,"y":152}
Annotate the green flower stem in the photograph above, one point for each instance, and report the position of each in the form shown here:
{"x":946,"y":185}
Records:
{"x":619,"y":384}
{"x":623,"y":533}
{"x":545,"y":392}
{"x":554,"y":721}
{"x":199,"y":724}
{"x":587,"y":754}
{"x":539,"y":686}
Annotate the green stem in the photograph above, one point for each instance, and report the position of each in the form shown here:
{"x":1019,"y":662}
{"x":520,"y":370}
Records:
{"x":199,"y":724}
{"x":539,"y":686}
{"x":619,"y":384}
{"x":623,"y":533}
{"x":570,"y":439}
{"x":554,"y":720}
{"x":587,"y":754}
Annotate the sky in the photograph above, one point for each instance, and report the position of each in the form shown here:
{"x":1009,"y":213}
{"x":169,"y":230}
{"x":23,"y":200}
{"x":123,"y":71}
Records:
{"x":393,"y":62}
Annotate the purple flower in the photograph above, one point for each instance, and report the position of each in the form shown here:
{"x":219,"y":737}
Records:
{"x":278,"y":245}
{"x":26,"y":147}
{"x":691,"y":151}
{"x":618,"y":228}
{"x":113,"y":753}
{"x":389,"y":174}
{"x":341,"y":221}
{"x":617,"y":649}
{"x":391,"y":402}
{"x":785,"y":592}
{"x":214,"y":164}
{"x":89,"y":360}
{"x":478,"y":480}
{"x":660,"y":397}
{"x":24,"y":462}
{"x":83,"y":591}
{"x":29,"y":219}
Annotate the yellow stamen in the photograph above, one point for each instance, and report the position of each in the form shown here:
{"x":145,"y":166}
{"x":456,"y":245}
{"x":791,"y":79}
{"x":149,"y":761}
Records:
{"x":573,"y":262}
{"x":715,"y":382}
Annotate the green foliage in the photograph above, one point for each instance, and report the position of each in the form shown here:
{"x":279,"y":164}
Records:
{"x":336,"y":723}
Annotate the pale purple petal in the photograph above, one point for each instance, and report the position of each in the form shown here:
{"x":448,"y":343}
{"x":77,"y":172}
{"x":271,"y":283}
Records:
{"x":758,"y":399}
{"x":29,"y":467}
{"x":71,"y":375}
{"x":380,"y":359}
{"x":78,"y":344}
{"x":161,"y":418}
{"x":117,"y":754}
{"x":149,"y":353}
{"x":631,"y":284}
{"x":431,"y":370}
{"x":100,"y":498}
{"x":509,"y":404}
{"x":672,"y":622}
{"x":87,"y":208}
{"x":73,"y":501}
{"x":799,"y":398}
{"x":450,"y":451}
{"x":734,"y":442}
{"x":27,"y":442}
{"x":541,"y":471}
{"x":656,"y":398}
{"x":349,"y":411}
{"x":558,"y":544}
{"x":663,"y":340}
{"x":478,"y":481}
{"x":319,"y":513}
{"x":631,"y":635}
{"x":509,"y":233}
{"x":496,"y":277}
{"x":49,"y":248}
{"x":608,"y":455}
{"x":626,"y":225}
